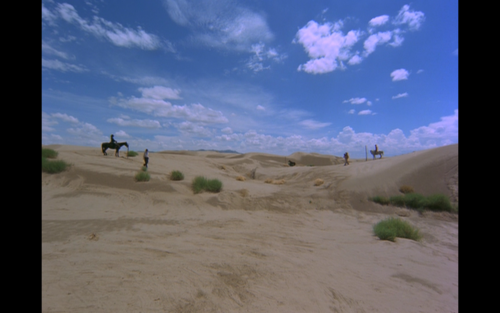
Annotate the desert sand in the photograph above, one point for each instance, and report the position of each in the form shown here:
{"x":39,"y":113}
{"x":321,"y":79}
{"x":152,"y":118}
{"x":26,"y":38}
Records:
{"x":111,"y":244}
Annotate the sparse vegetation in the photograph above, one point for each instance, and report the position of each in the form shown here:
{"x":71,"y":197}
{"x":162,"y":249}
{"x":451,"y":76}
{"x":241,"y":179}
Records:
{"x":143,"y":175}
{"x":406,"y":189}
{"x":435,"y":202}
{"x":52,"y":166}
{"x":201,"y":183}
{"x":391,"y":228}
{"x":275,"y":182}
{"x":381,"y":200}
{"x":132,"y":154}
{"x":319,"y":182}
{"x":176,"y":175}
{"x":240,"y":178}
{"x":49,"y":153}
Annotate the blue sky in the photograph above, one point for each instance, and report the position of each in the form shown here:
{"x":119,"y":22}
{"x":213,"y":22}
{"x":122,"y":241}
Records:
{"x":252,"y":76}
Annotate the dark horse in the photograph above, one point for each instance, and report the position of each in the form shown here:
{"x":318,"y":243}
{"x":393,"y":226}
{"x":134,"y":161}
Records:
{"x":107,"y":145}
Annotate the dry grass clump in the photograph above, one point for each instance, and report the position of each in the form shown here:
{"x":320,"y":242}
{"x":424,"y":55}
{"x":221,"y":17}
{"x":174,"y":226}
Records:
{"x":319,"y":182}
{"x":406,"y":189}
{"x":240,"y":178}
{"x":275,"y":182}
{"x":244,"y":192}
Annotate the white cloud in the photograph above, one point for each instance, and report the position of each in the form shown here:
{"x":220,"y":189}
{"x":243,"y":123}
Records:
{"x":160,"y":93}
{"x":365,"y":112}
{"x":135,"y":122}
{"x":101,"y":28}
{"x":374,"y":40}
{"x":351,"y":111}
{"x":379,"y":20}
{"x":122,"y":134}
{"x":192,"y":129}
{"x":356,"y":59}
{"x":355,"y":101}
{"x":46,"y":48}
{"x":326,"y":45}
{"x":65,"y":117}
{"x":221,"y":24}
{"x":311,"y":124}
{"x":400,"y":74}
{"x":261,"y":108}
{"x":161,"y":108}
{"x":401,"y":95}
{"x":227,"y":130}
{"x":413,"y":19}
{"x":62,"y":66}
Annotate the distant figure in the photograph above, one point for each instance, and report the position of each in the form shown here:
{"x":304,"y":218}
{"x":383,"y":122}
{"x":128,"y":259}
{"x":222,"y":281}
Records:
{"x":346,"y":157}
{"x":290,"y":163}
{"x":376,"y":148}
{"x":146,"y":158}
{"x":112,"y":140}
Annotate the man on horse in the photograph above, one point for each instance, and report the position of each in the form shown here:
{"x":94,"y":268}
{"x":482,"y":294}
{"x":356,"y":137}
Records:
{"x":113,"y":142}
{"x":376,"y":148}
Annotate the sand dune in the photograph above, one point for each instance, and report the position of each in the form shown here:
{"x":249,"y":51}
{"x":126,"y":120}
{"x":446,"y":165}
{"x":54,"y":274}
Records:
{"x":111,"y":244}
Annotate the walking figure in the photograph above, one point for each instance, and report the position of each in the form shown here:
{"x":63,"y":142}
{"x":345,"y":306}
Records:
{"x":146,"y":158}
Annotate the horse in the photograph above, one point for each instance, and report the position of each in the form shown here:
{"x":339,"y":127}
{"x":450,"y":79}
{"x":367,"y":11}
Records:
{"x":290,"y":163}
{"x":374,"y":153}
{"x":107,"y":145}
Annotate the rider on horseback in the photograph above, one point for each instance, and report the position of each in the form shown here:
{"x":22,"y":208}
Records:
{"x":376,"y":148}
{"x":113,"y":141}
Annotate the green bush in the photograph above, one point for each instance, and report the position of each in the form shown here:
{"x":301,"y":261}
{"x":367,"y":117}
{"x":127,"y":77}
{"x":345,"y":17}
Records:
{"x":380,"y":200}
{"x":176,"y":175}
{"x":132,"y":154}
{"x":49,"y":153}
{"x":144,"y":169}
{"x":438,"y":202}
{"x":53,"y":167}
{"x":391,"y":228}
{"x":201,"y":183}
{"x":142,"y":176}
{"x":435,"y":202}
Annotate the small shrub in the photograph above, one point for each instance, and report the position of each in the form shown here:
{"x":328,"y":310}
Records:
{"x":391,"y":228}
{"x":381,"y":200}
{"x":201,"y":183}
{"x":144,"y":169}
{"x":53,"y":167}
{"x":142,"y":176}
{"x":49,"y":153}
{"x":240,"y":178}
{"x":268,"y":181}
{"x":414,"y":201}
{"x":438,"y":202}
{"x":397,"y":200}
{"x":176,"y":175}
{"x":279,"y":182}
{"x":319,"y":182}
{"x":132,"y":154}
{"x":406,"y":189}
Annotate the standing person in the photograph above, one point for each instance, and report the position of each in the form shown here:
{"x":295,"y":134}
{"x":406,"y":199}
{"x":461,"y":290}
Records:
{"x":346,"y":157}
{"x":146,"y":158}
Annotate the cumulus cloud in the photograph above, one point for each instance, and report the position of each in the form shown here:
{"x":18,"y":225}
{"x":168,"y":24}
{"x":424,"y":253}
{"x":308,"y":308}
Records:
{"x":192,"y":129}
{"x":400,"y":74}
{"x":365,"y":112}
{"x":413,"y":19}
{"x":65,"y":117}
{"x":379,"y":20}
{"x":326,"y":45}
{"x":400,"y":95}
{"x":356,"y":101}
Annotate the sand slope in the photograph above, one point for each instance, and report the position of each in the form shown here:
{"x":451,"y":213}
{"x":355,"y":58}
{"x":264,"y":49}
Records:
{"x":110,"y":244}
